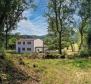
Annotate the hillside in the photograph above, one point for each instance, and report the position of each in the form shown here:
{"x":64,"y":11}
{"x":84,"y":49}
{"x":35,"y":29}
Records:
{"x":27,"y":36}
{"x":33,"y":36}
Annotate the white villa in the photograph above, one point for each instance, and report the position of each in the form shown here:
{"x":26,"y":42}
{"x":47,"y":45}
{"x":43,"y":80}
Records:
{"x":29,"y":45}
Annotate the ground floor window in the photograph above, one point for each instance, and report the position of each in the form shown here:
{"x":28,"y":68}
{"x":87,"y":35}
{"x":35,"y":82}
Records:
{"x":23,"y":49}
{"x":19,"y":49}
{"x":28,"y":49}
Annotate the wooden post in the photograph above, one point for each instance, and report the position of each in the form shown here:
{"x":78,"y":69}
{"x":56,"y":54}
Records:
{"x":43,"y":46}
{"x":43,"y":50}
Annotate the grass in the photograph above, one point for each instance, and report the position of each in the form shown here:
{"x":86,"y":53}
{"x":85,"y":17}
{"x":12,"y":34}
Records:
{"x":54,"y":71}
{"x":61,"y":71}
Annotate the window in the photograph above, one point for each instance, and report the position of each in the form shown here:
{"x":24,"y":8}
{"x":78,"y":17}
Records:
{"x":19,"y":49}
{"x":29,"y":49}
{"x":23,"y":49}
{"x":23,"y":43}
{"x":28,"y":42}
{"x":19,"y":42}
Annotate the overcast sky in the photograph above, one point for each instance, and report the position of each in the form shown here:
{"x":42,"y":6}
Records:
{"x":36,"y":23}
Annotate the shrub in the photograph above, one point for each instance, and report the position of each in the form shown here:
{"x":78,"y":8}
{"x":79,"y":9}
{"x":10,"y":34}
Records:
{"x":84,"y":53}
{"x":21,"y":61}
{"x":26,"y":54}
{"x":52,"y":56}
{"x":34,"y":56}
{"x":89,"y":52}
{"x":2,"y":54}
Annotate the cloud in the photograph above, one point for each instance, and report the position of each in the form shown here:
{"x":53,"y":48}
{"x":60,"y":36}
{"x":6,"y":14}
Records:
{"x":38,"y":26}
{"x":35,"y":24}
{"x":27,"y":13}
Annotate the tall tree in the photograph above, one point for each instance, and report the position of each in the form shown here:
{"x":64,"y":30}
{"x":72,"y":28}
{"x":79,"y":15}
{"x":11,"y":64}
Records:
{"x":89,"y":23}
{"x":58,"y":16}
{"x":84,"y":14}
{"x":84,"y":17}
{"x":10,"y":14}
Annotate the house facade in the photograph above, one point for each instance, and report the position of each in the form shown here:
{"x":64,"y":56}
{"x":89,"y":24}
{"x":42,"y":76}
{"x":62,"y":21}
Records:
{"x":29,"y":45}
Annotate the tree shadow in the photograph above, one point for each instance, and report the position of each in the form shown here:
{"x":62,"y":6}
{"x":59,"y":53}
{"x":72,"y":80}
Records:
{"x":10,"y":73}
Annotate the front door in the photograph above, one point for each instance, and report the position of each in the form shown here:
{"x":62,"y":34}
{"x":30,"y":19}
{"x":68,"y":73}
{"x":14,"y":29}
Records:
{"x":19,"y":50}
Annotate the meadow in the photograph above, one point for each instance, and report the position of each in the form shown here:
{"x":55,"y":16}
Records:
{"x":49,"y":71}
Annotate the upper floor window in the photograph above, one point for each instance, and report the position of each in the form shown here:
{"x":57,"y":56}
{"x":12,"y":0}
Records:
{"x":19,"y":42}
{"x":29,"y":42}
{"x":23,"y":43}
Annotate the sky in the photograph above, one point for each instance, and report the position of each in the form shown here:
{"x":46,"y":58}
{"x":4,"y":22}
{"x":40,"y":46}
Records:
{"x":36,"y":23}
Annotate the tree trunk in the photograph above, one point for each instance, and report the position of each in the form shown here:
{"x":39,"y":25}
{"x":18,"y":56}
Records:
{"x":90,"y":24}
{"x":60,"y":43}
{"x":81,"y":43}
{"x":6,"y":44}
{"x":71,"y":46}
